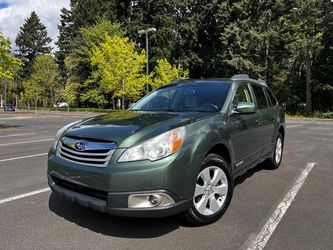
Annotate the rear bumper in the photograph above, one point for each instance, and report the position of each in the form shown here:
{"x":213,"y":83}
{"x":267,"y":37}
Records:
{"x":115,"y":203}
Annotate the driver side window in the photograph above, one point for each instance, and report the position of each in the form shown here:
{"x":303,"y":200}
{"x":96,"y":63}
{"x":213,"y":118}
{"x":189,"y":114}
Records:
{"x":242,"y":95}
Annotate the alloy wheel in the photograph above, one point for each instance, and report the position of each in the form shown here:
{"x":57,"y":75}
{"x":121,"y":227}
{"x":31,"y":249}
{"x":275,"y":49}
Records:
{"x":278,"y":150}
{"x":210,"y":191}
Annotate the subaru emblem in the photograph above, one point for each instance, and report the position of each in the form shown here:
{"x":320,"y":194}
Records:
{"x":80,"y":146}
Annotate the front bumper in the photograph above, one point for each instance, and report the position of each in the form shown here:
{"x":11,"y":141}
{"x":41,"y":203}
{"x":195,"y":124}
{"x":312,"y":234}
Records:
{"x":114,"y":203}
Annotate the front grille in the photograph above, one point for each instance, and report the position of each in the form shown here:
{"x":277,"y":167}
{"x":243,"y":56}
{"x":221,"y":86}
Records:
{"x":94,"y":153}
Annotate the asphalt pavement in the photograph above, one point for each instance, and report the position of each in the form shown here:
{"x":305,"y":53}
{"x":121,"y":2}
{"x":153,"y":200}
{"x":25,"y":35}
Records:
{"x":31,"y":217}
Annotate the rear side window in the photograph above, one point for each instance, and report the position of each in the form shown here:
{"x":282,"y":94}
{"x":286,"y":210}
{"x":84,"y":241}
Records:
{"x":260,"y":96}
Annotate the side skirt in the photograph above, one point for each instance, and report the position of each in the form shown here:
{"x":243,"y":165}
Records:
{"x":252,"y":165}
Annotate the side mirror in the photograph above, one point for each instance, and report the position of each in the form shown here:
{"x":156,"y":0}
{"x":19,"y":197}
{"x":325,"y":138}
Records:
{"x":244,"y":108}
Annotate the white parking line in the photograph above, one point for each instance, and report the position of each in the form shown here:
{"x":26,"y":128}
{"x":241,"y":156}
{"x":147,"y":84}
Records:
{"x":15,"y":135}
{"x":13,"y":198}
{"x":294,"y":126}
{"x":16,"y":118}
{"x":22,"y":157}
{"x":24,"y":142}
{"x":268,"y":229}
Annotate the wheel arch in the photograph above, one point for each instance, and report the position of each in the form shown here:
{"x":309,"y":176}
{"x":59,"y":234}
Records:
{"x":282,"y":131}
{"x":221,"y":150}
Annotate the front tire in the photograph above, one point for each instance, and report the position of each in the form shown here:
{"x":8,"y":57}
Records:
{"x":213,"y":191}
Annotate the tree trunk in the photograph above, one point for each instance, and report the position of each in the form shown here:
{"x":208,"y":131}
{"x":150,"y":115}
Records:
{"x":123,"y":98}
{"x":308,"y":83}
{"x":36,"y":107}
{"x":113,"y":103}
{"x":118,"y":103}
{"x":5,"y":93}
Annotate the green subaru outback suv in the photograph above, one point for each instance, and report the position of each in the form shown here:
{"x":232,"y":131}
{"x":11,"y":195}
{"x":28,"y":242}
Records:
{"x":177,"y":150}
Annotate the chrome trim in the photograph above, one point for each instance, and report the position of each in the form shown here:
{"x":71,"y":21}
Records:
{"x":84,"y":159}
{"x":83,"y":153}
{"x":90,"y":145}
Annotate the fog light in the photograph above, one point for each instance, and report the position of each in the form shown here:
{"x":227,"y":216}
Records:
{"x":155,"y":199}
{"x":149,"y":200}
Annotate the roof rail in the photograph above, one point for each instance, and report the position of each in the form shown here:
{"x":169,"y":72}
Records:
{"x":240,"y":76}
{"x":262,"y":81}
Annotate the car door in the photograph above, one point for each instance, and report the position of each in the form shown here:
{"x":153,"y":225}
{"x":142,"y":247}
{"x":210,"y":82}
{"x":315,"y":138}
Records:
{"x":268,"y":118}
{"x":245,"y":129}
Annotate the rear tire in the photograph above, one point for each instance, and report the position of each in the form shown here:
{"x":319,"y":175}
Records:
{"x":213,"y":191}
{"x":275,"y":161}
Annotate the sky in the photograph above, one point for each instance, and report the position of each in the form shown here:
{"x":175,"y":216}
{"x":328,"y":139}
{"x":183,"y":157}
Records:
{"x":14,"y":12}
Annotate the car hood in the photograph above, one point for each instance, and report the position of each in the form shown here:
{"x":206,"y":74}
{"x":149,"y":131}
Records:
{"x":119,"y":126}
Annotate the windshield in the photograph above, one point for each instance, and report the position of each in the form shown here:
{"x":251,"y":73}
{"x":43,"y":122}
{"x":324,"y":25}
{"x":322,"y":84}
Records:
{"x":203,"y":97}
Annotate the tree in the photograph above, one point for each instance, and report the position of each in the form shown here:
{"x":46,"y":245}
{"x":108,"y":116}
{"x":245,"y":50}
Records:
{"x":32,"y":40}
{"x":78,"y":63}
{"x":67,"y":33}
{"x":119,"y":68}
{"x":322,"y":65}
{"x":197,"y":38}
{"x":70,"y":93}
{"x":248,"y":34}
{"x":89,"y":12}
{"x":80,"y":15}
{"x":32,"y":92}
{"x":165,"y":73}
{"x":43,"y":83}
{"x":305,"y":38}
{"x":9,"y":65}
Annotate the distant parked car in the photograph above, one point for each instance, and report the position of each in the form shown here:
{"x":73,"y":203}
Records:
{"x":60,"y":105}
{"x":9,"y":108}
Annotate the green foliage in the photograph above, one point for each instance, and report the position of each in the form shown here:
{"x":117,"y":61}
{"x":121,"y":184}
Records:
{"x":165,"y":73}
{"x":32,"y":40}
{"x":304,"y":39}
{"x":66,"y":35}
{"x":78,"y":63}
{"x":43,"y":83}
{"x":9,"y":65}
{"x":70,"y":92}
{"x":287,"y":43}
{"x":81,"y":14}
{"x":94,"y":35}
{"x":88,"y":12}
{"x":94,"y":95}
{"x":119,"y":68}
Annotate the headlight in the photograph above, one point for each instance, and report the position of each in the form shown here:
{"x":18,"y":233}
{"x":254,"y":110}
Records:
{"x":156,"y":148}
{"x":59,"y":133}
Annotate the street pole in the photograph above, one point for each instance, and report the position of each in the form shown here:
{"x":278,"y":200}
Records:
{"x":147,"y":52}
